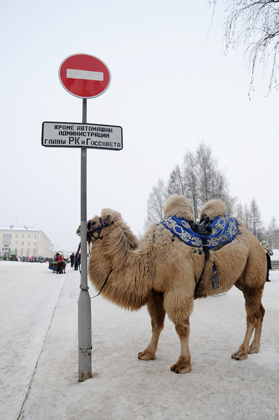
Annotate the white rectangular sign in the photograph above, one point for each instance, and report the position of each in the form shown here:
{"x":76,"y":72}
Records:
{"x":95,"y":136}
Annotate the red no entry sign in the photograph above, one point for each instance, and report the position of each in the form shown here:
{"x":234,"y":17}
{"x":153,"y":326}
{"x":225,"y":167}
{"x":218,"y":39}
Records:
{"x":84,"y":76}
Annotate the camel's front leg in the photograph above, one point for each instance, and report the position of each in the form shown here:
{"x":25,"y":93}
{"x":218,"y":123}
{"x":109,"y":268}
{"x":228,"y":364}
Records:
{"x":179,"y":308}
{"x":183,"y":365}
{"x":157,"y":313}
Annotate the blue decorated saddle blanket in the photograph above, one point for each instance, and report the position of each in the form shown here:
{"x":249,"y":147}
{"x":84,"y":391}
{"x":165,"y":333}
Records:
{"x":224,"y":230}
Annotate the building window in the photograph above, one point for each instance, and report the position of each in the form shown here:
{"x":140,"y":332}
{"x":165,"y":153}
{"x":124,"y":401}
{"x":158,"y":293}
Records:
{"x":15,"y":242}
{"x":16,"y":236}
{"x":7,"y":239}
{"x":28,"y":236}
{"x":27,"y":252}
{"x":28,"y":243}
{"x":22,"y":242}
{"x":34,"y":243}
{"x":34,"y":253}
{"x":21,"y":252}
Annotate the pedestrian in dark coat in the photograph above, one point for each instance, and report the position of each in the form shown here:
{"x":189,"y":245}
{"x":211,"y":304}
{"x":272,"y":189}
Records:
{"x":268,"y":253}
{"x":77,"y":262}
{"x":72,"y":258}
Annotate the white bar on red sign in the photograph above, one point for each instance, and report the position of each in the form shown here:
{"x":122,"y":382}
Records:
{"x":85,"y":75}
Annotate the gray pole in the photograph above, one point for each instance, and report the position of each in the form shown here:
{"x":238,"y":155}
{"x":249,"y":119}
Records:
{"x":84,"y":302}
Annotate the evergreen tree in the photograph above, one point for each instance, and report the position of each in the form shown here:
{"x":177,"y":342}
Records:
{"x":239,"y":212}
{"x":190,"y":179}
{"x":176,"y":184}
{"x":206,"y":173}
{"x":256,"y":224}
{"x":273,"y":228}
{"x":247,"y":218}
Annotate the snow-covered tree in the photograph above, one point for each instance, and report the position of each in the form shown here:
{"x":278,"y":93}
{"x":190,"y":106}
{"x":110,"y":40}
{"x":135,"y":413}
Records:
{"x":199,"y":179}
{"x":156,"y":203}
{"x":273,"y":228}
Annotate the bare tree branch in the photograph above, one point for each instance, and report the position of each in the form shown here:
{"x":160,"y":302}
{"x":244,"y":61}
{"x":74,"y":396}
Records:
{"x":255,"y":25}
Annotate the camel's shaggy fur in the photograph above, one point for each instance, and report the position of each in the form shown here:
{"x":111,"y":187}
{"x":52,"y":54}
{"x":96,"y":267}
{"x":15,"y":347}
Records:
{"x":162,"y":272}
{"x":214,"y":208}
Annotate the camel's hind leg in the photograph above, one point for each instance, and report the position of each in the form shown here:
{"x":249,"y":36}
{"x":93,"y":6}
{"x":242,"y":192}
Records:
{"x":255,"y":314}
{"x":157,"y":313}
{"x":255,"y":345}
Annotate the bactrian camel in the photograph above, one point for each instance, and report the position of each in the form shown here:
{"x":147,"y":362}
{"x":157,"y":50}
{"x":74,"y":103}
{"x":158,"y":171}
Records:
{"x":167,"y":274}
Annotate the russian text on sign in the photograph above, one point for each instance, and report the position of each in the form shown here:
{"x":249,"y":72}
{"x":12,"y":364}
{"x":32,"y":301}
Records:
{"x":56,"y":134}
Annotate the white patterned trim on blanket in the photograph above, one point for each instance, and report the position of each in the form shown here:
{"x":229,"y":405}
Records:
{"x":224,"y":230}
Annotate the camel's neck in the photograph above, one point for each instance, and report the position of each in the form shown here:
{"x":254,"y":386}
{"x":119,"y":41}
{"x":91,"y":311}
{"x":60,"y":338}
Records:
{"x":116,"y":259}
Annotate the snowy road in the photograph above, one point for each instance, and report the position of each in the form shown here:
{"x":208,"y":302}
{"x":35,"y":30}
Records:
{"x":28,"y":295}
{"x":39,"y":326}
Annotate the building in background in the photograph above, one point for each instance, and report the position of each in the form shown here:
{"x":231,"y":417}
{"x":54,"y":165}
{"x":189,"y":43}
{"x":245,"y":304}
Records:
{"x":24,"y":242}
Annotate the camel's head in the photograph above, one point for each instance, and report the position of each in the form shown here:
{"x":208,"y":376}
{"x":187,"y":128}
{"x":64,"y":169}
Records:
{"x":179,"y":206}
{"x":213,"y":208}
{"x":96,"y":225}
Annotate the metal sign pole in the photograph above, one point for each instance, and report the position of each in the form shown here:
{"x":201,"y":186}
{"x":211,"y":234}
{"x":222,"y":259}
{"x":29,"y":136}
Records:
{"x":84,"y":302}
{"x":95,"y":77}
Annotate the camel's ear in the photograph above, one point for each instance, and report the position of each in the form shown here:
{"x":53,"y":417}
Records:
{"x":108,"y":219}
{"x":78,"y":232}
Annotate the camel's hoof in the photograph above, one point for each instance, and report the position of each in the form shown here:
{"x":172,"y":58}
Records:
{"x":239,"y":355}
{"x":181,"y":367}
{"x":254,"y":349}
{"x":146,"y":355}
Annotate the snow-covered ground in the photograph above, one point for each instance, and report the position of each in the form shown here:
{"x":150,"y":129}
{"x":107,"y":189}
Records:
{"x":275,"y":255}
{"x":39,"y":366}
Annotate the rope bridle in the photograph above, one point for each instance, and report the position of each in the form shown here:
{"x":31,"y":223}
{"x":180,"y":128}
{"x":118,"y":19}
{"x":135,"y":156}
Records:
{"x":91,"y":233}
{"x":98,"y":229}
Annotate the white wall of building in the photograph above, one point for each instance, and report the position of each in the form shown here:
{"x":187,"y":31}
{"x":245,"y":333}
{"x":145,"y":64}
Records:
{"x":24,"y":241}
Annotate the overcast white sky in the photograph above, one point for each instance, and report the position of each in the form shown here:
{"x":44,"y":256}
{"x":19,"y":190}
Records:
{"x":172,"y":87}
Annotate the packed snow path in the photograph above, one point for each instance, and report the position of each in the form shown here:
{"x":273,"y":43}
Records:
{"x":28,"y":295}
{"x":39,"y":367}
